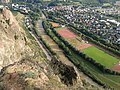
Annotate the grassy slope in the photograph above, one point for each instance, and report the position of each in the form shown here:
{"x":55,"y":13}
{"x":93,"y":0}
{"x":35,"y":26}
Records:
{"x":101,"y":57}
{"x":38,"y":53}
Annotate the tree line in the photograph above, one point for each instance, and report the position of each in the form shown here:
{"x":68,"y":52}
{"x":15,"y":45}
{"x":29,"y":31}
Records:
{"x":67,"y":51}
{"x":90,"y":36}
{"x":81,"y":54}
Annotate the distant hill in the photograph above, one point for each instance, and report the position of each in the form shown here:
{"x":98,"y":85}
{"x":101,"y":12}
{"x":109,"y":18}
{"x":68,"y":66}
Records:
{"x":97,"y":1}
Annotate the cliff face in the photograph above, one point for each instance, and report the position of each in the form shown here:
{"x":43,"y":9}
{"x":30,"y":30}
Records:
{"x":4,"y":1}
{"x":12,"y":39}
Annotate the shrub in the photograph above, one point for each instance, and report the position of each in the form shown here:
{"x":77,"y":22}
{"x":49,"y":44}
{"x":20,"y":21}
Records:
{"x":28,"y":74}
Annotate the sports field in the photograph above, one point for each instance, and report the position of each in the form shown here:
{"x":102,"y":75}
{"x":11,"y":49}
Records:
{"x":106,"y":78}
{"x":101,"y":57}
{"x":98,"y":55}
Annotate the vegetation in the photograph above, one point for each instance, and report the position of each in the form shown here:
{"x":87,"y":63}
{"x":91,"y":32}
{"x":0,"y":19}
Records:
{"x":101,"y":57}
{"x":92,"y":68}
{"x":15,"y":37}
{"x":28,"y":74}
{"x":84,"y":56}
{"x":60,"y":3}
{"x":101,"y":77}
{"x":90,"y":37}
{"x":78,"y":2}
{"x":98,"y":41}
{"x":44,"y":42}
{"x":66,"y":73}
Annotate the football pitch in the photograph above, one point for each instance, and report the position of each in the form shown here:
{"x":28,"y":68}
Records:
{"x":101,"y":56}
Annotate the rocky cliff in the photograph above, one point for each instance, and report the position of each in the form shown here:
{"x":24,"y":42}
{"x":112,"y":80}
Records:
{"x":12,"y":39}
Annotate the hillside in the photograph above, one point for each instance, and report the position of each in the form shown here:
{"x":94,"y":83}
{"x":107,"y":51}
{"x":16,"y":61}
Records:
{"x":98,"y":1}
{"x":24,"y":65}
{"x":83,"y":1}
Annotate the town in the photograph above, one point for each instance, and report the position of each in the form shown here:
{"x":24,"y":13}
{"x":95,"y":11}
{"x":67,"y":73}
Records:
{"x":60,"y":44}
{"x":95,"y":19}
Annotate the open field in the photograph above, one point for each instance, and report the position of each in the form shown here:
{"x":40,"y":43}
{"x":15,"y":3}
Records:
{"x":53,"y":46}
{"x":56,"y":49}
{"x":89,"y":49}
{"x":74,"y":42}
{"x":101,"y":57}
{"x":72,"y":38}
{"x":80,"y":45}
{"x":110,"y":80}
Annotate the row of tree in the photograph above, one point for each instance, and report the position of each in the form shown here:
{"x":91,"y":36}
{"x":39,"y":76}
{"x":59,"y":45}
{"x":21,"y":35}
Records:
{"x":81,"y":54}
{"x":48,"y":30}
{"x":84,"y":56}
{"x":97,"y":40}
{"x":66,"y":73}
{"x":90,"y":36}
{"x":64,"y":44}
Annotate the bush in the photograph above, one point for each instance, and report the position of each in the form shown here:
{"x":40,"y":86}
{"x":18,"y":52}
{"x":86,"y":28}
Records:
{"x":28,"y":74}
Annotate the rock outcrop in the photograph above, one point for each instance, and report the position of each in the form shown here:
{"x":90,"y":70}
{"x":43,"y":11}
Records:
{"x":33,"y":75}
{"x":12,"y":39}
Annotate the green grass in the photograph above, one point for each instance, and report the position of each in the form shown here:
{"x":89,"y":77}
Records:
{"x":101,"y":56}
{"x":110,"y":80}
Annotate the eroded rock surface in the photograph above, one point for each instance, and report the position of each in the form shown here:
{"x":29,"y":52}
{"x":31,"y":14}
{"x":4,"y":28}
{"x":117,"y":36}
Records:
{"x":34,"y":75}
{"x":12,"y":39}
